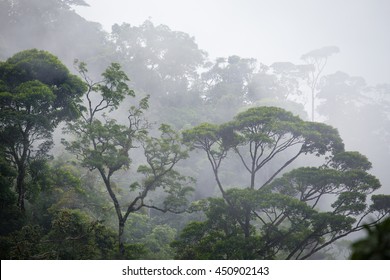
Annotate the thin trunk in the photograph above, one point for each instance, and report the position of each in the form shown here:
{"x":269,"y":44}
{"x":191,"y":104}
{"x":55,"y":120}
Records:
{"x":312,"y":104}
{"x":253,"y":168}
{"x":121,"y":229}
{"x":121,"y":219}
{"x":20,"y":187}
{"x":253,"y":178}
{"x":21,"y":163}
{"x":280,"y":169}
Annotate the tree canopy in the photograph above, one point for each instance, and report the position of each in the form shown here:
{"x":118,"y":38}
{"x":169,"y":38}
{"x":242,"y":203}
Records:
{"x":293,"y":216}
{"x":36,"y":93}
{"x":104,"y":145}
{"x":169,"y":153}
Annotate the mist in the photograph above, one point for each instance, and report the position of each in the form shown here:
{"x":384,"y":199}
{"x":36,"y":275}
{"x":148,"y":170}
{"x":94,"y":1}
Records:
{"x":315,"y":76}
{"x":270,"y":31}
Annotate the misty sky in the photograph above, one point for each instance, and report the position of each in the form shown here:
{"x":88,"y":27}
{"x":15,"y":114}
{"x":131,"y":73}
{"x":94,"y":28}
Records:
{"x":277,"y":30}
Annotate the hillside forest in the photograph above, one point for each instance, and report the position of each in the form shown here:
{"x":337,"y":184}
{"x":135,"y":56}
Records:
{"x":135,"y":144}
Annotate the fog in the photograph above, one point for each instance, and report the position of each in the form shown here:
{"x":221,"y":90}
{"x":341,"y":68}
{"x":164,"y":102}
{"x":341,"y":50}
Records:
{"x":270,"y":31}
{"x":228,"y":63}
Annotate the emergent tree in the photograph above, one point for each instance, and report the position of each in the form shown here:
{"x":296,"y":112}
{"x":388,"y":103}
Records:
{"x":318,"y":60}
{"x":286,"y":217}
{"x":37,"y":92}
{"x":103,"y":144}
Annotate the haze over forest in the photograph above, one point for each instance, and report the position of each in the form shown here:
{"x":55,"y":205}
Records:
{"x":270,"y":31}
{"x":193,"y":130}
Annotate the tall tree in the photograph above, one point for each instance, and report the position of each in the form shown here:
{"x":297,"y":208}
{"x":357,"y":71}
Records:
{"x":225,"y":85}
{"x":103,"y":144}
{"x":37,"y":92}
{"x":357,"y":109}
{"x":161,"y":62}
{"x":317,"y":59}
{"x":273,"y":217}
{"x":52,"y":25}
{"x":258,"y":136}
{"x":336,"y":195}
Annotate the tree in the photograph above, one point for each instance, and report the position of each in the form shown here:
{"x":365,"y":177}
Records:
{"x":341,"y":187}
{"x":376,"y":246}
{"x":102,"y":144}
{"x":225,"y":85}
{"x":62,"y":222}
{"x":160,"y":61}
{"x":72,"y":235}
{"x":279,"y":217}
{"x":257,"y":136}
{"x":164,"y":64}
{"x":38,"y":22}
{"x":10,"y":219}
{"x":37,"y":92}
{"x":357,"y":109}
{"x":317,"y":59}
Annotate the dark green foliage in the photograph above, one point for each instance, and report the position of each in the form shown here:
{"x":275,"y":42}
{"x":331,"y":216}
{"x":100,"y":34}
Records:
{"x":260,"y":134}
{"x":283,"y":217}
{"x":158,"y":243}
{"x":219,"y":237}
{"x":38,"y":80}
{"x":263,"y":213}
{"x":144,"y":232}
{"x":103,"y":144}
{"x":72,"y":235}
{"x":10,"y":219}
{"x":381,"y":203}
{"x":350,"y":160}
{"x":36,"y":93}
{"x":376,"y":246}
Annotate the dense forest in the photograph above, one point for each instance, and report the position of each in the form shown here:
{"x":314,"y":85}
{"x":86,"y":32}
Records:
{"x":135,"y":144}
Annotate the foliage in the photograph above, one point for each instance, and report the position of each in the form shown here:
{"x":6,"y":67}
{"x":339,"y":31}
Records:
{"x":10,"y":219}
{"x":317,"y":59}
{"x":158,"y":243}
{"x":102,"y":144}
{"x":36,"y":93}
{"x":72,"y":235}
{"x":376,"y":246}
{"x":310,"y":207}
{"x":161,"y":61}
{"x":295,"y":215}
{"x":164,"y":64}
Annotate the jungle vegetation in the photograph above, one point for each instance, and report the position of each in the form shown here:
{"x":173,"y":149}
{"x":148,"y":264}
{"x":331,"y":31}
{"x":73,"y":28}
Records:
{"x":134,"y":144}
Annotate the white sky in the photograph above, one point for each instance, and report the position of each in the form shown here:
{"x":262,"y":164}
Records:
{"x":270,"y":30}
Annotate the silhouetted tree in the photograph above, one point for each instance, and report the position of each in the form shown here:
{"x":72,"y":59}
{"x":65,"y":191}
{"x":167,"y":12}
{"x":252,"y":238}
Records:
{"x":317,"y":59}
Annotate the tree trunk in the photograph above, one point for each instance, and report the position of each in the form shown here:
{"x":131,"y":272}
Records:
{"x":121,"y":230}
{"x":253,"y":177}
{"x":20,"y":188}
{"x":312,"y":104}
{"x":121,"y":219}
